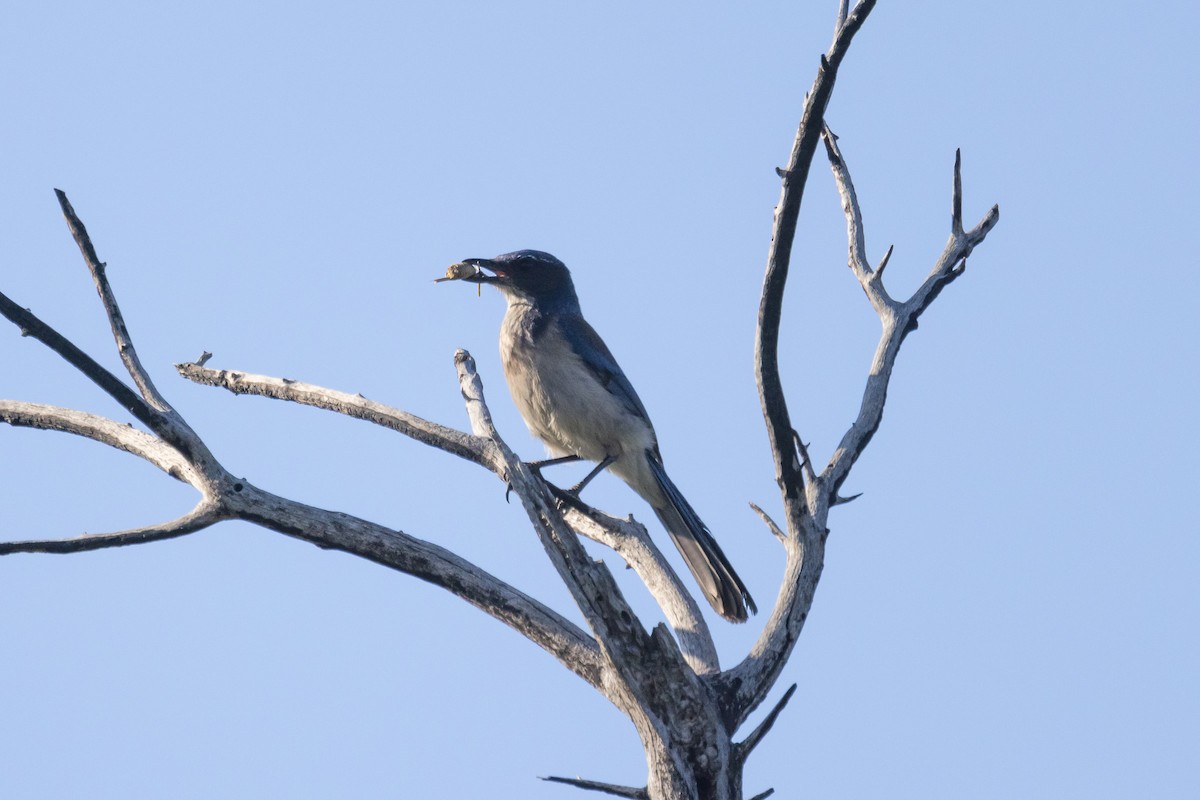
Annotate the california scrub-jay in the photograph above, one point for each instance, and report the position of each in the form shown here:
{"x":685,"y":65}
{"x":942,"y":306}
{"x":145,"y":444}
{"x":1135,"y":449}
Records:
{"x":575,"y":398}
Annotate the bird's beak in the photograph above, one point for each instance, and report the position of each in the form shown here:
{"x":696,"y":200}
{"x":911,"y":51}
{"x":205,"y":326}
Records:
{"x":482,"y":264}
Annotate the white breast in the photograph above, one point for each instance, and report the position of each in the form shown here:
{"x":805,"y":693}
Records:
{"x":562,"y":401}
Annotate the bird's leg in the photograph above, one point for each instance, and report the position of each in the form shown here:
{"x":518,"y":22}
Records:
{"x":536,"y":466}
{"x":572,"y":494}
{"x":577,"y":488}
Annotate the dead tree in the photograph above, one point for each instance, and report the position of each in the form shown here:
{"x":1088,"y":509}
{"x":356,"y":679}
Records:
{"x":686,"y":709}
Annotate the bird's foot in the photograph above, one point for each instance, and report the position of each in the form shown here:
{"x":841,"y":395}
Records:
{"x":536,"y":468}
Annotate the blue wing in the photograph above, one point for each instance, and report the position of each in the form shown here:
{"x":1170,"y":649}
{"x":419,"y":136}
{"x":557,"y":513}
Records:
{"x":590,"y":348}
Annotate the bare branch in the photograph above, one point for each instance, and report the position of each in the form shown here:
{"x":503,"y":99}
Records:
{"x":652,"y":676}
{"x":806,"y":507}
{"x":606,"y":788}
{"x":745,"y":684}
{"x":748,"y":744}
{"x":649,"y":680}
{"x":843,"y":10}
{"x":471,"y":387}
{"x":590,"y":583}
{"x":628,"y":539}
{"x":631,"y":541}
{"x":774,"y":528}
{"x":763,"y":795}
{"x":206,"y":513}
{"x":472,"y":448}
{"x":226,"y":497}
{"x":884,"y":262}
{"x":770,"y":385}
{"x":103,"y":430}
{"x":805,"y":461}
{"x":859,"y":264}
{"x":125,"y":347}
{"x":742,"y":688}
{"x":956,"y":223}
{"x":898,"y":320}
{"x":332,"y":530}
{"x":154,"y":413}
{"x":30,"y":325}
{"x":326,"y":529}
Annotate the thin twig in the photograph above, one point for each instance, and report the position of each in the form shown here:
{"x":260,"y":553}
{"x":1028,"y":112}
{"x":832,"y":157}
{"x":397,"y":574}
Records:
{"x":30,"y":325}
{"x":868,"y":278}
{"x":149,"y":407}
{"x":883,"y":262}
{"x":471,"y":386}
{"x":125,"y":347}
{"x":956,"y":223}
{"x":771,"y":525}
{"x":805,"y":460}
{"x":747,"y":745}
{"x":206,"y":513}
{"x":472,"y":448}
{"x":607,"y":788}
{"x":843,"y":9}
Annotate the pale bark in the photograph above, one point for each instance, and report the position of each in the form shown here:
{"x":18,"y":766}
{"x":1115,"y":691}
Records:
{"x":666,"y":678}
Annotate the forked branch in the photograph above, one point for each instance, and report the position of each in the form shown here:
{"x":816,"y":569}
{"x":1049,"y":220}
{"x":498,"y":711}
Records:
{"x":624,"y":641}
{"x":766,"y":352}
{"x":684,"y":708}
{"x":125,"y":348}
{"x":807,"y":502}
{"x":897,"y":318}
{"x":628,"y":539}
{"x":175,"y":448}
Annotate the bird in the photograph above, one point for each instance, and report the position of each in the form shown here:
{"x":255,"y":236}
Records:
{"x":576,"y":399}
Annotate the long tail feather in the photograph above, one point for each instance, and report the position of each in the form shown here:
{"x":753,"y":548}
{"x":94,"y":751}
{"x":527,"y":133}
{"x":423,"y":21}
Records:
{"x":712,"y":570}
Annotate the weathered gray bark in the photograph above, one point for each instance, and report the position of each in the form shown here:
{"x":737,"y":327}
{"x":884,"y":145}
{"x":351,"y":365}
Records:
{"x":667,"y":679}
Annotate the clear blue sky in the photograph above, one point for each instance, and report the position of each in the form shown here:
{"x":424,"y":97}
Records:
{"x":1010,"y":610}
